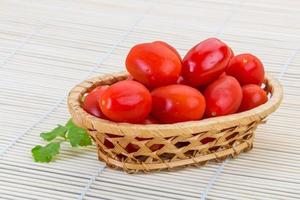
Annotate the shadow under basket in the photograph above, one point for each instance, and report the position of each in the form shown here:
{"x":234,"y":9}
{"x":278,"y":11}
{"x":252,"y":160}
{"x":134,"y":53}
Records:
{"x":137,"y":147}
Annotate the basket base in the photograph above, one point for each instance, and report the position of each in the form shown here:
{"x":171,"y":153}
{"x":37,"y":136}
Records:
{"x":218,"y":156}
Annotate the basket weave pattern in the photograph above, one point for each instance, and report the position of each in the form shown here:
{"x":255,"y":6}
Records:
{"x":135,"y":147}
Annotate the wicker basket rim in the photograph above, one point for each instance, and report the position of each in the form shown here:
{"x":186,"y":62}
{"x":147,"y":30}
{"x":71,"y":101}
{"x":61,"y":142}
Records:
{"x":75,"y":95}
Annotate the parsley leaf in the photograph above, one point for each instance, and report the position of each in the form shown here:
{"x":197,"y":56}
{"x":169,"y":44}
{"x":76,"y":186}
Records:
{"x":70,"y":124}
{"x":70,"y":132}
{"x":46,"y":153}
{"x":77,"y":136}
{"x":58,"y":131}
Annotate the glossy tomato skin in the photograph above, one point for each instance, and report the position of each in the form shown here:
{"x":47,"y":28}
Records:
{"x":177,"y":103}
{"x":253,"y":96}
{"x":247,"y":69}
{"x":205,"y":62}
{"x":223,"y":96}
{"x":222,"y":75}
{"x":126,"y":101}
{"x":232,"y":54}
{"x":170,"y":47}
{"x":90,"y":103}
{"x":130,"y":78}
{"x":154,"y":64}
{"x":181,"y":80}
{"x":150,"y":120}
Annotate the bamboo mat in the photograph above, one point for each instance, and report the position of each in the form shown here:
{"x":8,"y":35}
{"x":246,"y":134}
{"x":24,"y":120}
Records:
{"x":48,"y":46}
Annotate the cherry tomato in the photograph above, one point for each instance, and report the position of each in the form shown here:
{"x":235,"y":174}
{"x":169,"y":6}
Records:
{"x":126,"y":101}
{"x":207,"y":140}
{"x":232,"y":54}
{"x":150,"y":120}
{"x":154,"y":64}
{"x":129,"y":77}
{"x":90,"y":103}
{"x":202,"y":88}
{"x":180,"y":80}
{"x":223,"y":96}
{"x":253,"y":96}
{"x":222,"y":75}
{"x":156,"y":147}
{"x":131,"y":148}
{"x":205,"y":62}
{"x":247,"y":69}
{"x":108,"y":144}
{"x":177,"y":103}
{"x":170,"y":47}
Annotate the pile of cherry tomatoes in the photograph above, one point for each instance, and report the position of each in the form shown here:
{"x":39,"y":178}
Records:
{"x":163,"y":88}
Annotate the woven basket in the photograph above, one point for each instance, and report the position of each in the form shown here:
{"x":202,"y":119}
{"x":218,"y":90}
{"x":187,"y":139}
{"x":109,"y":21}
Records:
{"x":135,"y":147}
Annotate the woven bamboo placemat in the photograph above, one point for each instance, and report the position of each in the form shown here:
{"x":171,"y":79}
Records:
{"x":48,"y":46}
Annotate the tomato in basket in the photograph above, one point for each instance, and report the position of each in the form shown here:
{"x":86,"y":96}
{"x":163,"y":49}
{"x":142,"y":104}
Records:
{"x":205,"y":62}
{"x":247,"y":69}
{"x":210,"y":68}
{"x":181,"y":80}
{"x":154,"y":64}
{"x":177,"y":103}
{"x":126,"y":101}
{"x":232,"y":54}
{"x":90,"y":103}
{"x":168,"y":46}
{"x":150,"y":120}
{"x":223,"y":96}
{"x":253,"y":96}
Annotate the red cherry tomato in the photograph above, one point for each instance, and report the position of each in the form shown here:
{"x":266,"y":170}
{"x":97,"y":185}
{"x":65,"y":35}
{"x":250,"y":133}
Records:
{"x":169,"y":46}
{"x":131,"y":148}
{"x":126,"y":101}
{"x":177,"y":103}
{"x":156,"y":147}
{"x":150,"y":120}
{"x":154,"y":64}
{"x":223,"y":96}
{"x":253,"y":96}
{"x":180,"y":80}
{"x":130,"y":78}
{"x":202,"y":88}
{"x":108,"y":144}
{"x":90,"y":103}
{"x":247,"y":69}
{"x":205,"y":62}
{"x":222,"y":75}
{"x":232,"y":54}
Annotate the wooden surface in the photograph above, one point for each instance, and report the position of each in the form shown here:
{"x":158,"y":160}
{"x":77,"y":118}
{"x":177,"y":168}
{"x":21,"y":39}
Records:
{"x":48,"y":46}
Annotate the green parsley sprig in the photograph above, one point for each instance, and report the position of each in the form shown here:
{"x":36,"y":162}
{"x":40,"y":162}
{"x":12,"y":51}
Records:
{"x":69,"y":133}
